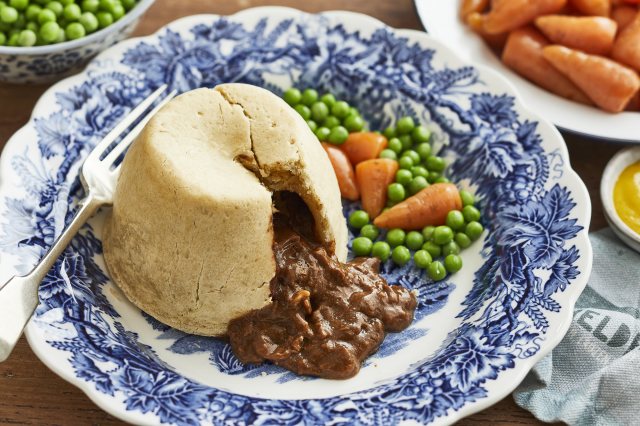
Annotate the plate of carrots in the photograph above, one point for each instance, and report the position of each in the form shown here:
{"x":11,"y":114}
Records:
{"x":575,"y":62}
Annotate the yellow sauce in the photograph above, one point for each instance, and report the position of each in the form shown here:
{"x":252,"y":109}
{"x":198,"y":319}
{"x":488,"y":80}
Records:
{"x":626,"y":196}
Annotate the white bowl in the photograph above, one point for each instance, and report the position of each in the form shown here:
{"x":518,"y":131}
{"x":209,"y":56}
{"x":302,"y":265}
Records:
{"x":441,"y":20}
{"x":616,"y":165}
{"x":42,"y":64}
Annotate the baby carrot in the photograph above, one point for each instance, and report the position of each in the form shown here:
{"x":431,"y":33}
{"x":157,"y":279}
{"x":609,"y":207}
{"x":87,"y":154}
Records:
{"x":623,"y":15}
{"x":523,"y":54}
{"x":592,"y":7}
{"x":608,"y":84}
{"x":472,"y":6}
{"x":344,"y":172}
{"x":507,"y":15}
{"x":591,"y":34}
{"x":475,"y":21}
{"x":374,"y":176}
{"x":362,"y":146}
{"x":626,"y":49}
{"x":428,"y":207}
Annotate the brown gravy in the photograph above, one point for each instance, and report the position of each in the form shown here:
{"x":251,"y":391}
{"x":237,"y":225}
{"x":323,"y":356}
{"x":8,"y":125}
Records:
{"x":326,"y":317}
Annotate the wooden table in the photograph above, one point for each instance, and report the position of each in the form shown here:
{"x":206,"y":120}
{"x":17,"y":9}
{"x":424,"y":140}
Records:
{"x":31,"y":394}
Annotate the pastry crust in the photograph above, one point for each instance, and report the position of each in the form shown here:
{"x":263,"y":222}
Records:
{"x":189,"y":239}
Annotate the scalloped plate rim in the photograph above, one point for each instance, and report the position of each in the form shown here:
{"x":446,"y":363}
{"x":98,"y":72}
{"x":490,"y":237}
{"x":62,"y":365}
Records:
{"x":516,"y":374}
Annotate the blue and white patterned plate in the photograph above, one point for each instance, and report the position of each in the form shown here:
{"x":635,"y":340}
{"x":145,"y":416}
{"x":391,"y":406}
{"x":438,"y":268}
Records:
{"x":475,"y":335}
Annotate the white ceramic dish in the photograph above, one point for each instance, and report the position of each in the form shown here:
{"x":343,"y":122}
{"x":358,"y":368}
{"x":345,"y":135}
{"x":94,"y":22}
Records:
{"x":615,"y":166}
{"x":475,"y":335}
{"x":441,"y":20}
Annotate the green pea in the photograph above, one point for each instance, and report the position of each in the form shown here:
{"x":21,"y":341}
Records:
{"x":420,"y":134}
{"x":435,"y":164}
{"x":340,"y":109}
{"x":381,"y":250}
{"x":13,"y":39}
{"x":32,"y":12}
{"x":389,"y":132}
{"x":401,"y":255}
{"x":395,"y":237}
{"x":403,"y":176}
{"x":362,"y":246}
{"x":117,"y":11}
{"x":467,"y":198}
{"x":72,"y":12}
{"x":353,"y":112}
{"x":396,"y":192}
{"x":407,"y":143}
{"x":338,"y":135}
{"x":471,"y":214}
{"x":291,"y":96}
{"x":414,"y":156}
{"x":405,"y":163}
{"x":422,"y":259}
{"x":391,"y":203}
{"x":405,"y":125}
{"x":424,"y":151}
{"x":455,"y":220}
{"x":107,"y":4}
{"x":33,"y":26}
{"x":93,"y":6}
{"x":414,"y":240}
{"x":50,"y":31}
{"x":462,"y":240}
{"x":433,"y":177}
{"x":62,"y":36}
{"x":56,"y":7}
{"x":319,"y":111}
{"x":304,"y":111}
{"x":3,"y":39}
{"x":434,"y":249}
{"x":450,"y":248}
{"x":427,"y":232}
{"x":474,"y":230}
{"x":354,"y":123}
{"x":104,"y":19}
{"x":8,"y":15}
{"x":89,"y":22}
{"x":20,"y":23}
{"x":419,"y":171}
{"x":358,"y":219}
{"x":19,"y":4}
{"x":331,"y":122}
{"x":442,"y":179}
{"x":387,"y":153}
{"x":27,"y":38}
{"x":328,"y":99}
{"x":312,"y":125}
{"x":75,"y":31}
{"x":322,"y":133}
{"x":395,"y":145}
{"x":436,"y":271}
{"x":417,"y":184}
{"x":128,"y":4}
{"x":309,"y":96}
{"x":453,"y":263}
{"x":442,"y":235}
{"x":370,"y":231}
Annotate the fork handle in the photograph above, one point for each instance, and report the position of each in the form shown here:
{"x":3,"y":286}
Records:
{"x":19,"y":295}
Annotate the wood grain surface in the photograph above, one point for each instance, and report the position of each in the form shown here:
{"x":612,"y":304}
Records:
{"x":32,"y":394}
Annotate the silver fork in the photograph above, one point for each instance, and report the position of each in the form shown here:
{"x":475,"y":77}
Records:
{"x":19,"y":295}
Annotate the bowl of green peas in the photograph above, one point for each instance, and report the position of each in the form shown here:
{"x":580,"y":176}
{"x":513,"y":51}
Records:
{"x":44,"y":40}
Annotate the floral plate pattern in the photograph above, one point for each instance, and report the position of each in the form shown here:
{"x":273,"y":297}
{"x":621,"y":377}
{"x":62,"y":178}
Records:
{"x":475,"y":335}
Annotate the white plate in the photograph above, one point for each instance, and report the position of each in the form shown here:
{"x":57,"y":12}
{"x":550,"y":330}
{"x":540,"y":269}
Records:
{"x":476,"y":334}
{"x":440,"y":19}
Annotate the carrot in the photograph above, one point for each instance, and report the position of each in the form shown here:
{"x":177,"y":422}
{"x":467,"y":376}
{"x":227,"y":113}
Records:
{"x":428,"y":207}
{"x":374,"y":176}
{"x":475,"y":21}
{"x":591,"y":34}
{"x":608,"y":84}
{"x":626,"y":49}
{"x":523,"y":54}
{"x":472,"y":6}
{"x":344,"y":172}
{"x":593,"y":7}
{"x":507,"y":15}
{"x":623,"y":15}
{"x":634,"y":103}
{"x":362,"y":146}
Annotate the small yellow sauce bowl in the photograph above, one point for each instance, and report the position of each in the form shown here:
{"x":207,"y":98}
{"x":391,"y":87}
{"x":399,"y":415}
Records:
{"x":620,"y":194}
